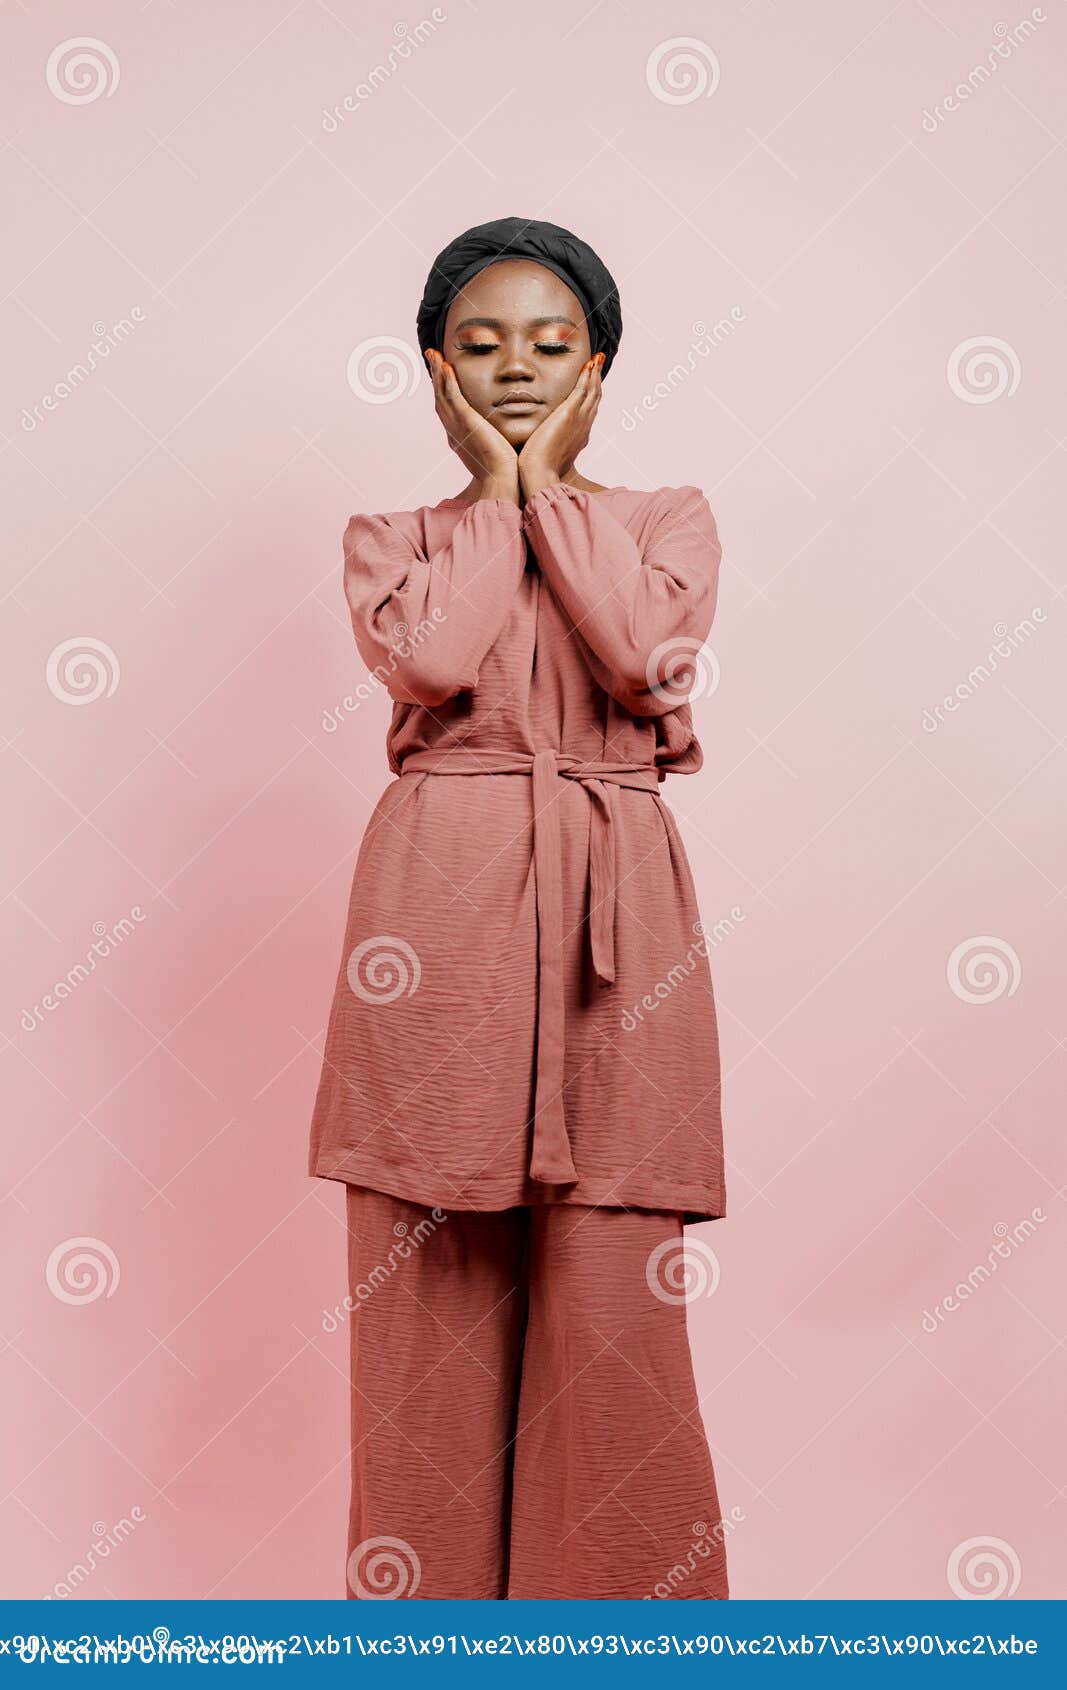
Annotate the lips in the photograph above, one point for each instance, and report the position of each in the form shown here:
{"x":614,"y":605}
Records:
{"x":515,"y":400}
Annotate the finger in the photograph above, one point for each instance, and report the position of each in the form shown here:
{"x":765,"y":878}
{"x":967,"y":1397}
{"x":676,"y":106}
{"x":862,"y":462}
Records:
{"x":591,"y":397}
{"x":459,"y":414}
{"x":449,"y":385}
{"x":453,"y":403}
{"x":451,"y":391}
{"x":450,"y":397}
{"x":579,"y":390}
{"x":433,"y":364}
{"x":460,"y":408}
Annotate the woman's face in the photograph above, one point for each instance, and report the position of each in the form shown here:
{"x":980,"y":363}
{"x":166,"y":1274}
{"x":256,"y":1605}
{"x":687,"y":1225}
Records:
{"x":516,"y":331}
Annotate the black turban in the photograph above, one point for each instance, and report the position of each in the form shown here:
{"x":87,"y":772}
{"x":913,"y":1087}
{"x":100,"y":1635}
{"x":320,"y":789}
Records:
{"x":521,"y":237}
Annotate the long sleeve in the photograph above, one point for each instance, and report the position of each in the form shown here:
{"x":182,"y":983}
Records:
{"x":423,"y":624}
{"x":637,"y":609}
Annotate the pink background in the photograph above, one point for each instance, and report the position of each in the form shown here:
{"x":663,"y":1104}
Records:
{"x":885,"y":503}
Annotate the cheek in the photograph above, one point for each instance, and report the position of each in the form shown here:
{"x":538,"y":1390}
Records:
{"x":474,"y":384}
{"x":560,"y":379}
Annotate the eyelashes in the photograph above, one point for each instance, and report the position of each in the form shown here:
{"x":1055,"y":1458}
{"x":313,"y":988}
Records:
{"x":552,"y":347}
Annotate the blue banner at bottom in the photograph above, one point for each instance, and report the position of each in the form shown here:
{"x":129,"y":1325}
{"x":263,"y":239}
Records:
{"x":434,"y":1642}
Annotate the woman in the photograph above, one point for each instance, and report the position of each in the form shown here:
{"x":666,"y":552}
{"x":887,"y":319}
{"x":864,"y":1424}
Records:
{"x":520,"y":1084}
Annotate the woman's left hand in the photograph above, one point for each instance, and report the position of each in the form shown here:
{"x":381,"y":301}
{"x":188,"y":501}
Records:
{"x":554,"y":444}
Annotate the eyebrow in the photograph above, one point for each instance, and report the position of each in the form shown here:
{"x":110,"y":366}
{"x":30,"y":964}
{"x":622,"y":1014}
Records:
{"x":495,"y":322}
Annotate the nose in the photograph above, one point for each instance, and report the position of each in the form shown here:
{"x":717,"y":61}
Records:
{"x":517,"y":363}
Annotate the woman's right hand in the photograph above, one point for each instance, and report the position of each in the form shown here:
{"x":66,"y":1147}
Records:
{"x":492,"y":461}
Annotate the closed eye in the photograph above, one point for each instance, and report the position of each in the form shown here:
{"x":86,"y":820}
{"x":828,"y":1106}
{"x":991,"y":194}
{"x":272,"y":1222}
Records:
{"x":552,"y":347}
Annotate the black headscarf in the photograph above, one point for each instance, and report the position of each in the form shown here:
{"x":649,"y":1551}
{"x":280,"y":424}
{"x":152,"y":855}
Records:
{"x":522,"y":237}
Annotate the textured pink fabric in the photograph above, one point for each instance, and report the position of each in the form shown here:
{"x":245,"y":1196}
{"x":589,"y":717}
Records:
{"x":551,"y":1162}
{"x":524,"y":1419}
{"x":487,"y":1044}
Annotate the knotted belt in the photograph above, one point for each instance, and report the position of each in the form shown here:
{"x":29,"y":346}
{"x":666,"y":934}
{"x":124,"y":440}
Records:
{"x":551,"y":1162}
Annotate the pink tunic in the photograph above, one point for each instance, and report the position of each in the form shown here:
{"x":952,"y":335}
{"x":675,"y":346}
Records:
{"x":523,"y":1011}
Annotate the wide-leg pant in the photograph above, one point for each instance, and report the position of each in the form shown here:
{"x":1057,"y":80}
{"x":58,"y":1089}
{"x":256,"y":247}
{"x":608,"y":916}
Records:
{"x":524,"y":1412}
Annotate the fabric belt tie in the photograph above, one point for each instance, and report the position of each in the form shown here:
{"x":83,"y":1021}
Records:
{"x":551,"y":1162}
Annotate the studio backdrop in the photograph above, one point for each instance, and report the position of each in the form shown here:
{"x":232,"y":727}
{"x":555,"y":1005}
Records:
{"x":837,"y":233}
